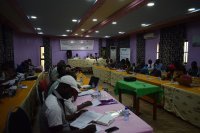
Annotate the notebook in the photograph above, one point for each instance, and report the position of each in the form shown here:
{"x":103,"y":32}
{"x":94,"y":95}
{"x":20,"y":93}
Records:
{"x":105,"y":120}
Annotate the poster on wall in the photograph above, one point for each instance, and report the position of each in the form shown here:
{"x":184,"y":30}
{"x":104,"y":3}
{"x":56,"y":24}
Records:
{"x":76,"y":44}
{"x":124,"y":53}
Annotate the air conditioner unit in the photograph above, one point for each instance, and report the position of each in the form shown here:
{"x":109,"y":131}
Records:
{"x":149,"y":36}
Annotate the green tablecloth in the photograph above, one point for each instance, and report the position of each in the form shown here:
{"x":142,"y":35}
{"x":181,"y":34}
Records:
{"x":138,"y":87}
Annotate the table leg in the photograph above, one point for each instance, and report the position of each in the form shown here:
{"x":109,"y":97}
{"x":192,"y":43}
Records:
{"x":155,"y":107}
{"x":120,"y":96}
{"x":137,"y":103}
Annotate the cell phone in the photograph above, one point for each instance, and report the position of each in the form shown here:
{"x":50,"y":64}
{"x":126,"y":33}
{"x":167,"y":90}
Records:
{"x":112,"y":129}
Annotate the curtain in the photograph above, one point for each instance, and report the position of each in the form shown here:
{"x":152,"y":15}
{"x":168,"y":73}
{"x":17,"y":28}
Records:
{"x":6,"y":46}
{"x":171,"y":44}
{"x":140,"y":44}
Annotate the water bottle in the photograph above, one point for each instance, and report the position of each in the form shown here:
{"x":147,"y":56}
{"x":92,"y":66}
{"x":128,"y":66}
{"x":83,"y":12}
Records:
{"x":126,"y":114}
{"x":81,"y":80}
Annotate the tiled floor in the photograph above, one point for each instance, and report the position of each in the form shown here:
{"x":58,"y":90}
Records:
{"x":165,"y":123}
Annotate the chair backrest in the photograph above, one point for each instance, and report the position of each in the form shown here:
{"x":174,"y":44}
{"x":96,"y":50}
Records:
{"x":18,"y":122}
{"x":42,"y":89}
{"x":94,"y":80}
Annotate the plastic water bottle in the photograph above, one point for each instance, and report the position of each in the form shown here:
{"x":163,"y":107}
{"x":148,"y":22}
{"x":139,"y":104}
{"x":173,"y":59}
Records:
{"x":126,"y":114}
{"x":81,"y":80}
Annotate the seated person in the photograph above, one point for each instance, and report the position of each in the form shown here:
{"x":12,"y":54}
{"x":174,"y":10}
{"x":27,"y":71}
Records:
{"x":91,"y":56}
{"x":139,"y":67}
{"x":179,"y":71}
{"x":55,"y":116}
{"x":150,"y":65}
{"x":158,"y":65}
{"x":7,"y":72}
{"x":194,"y":70}
{"x":145,"y":70}
{"x":76,"y":57}
{"x":54,"y":74}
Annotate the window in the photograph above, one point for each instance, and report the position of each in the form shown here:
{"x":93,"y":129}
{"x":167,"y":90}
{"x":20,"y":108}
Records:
{"x":157,"y":51}
{"x":42,"y":56}
{"x":185,"y":54}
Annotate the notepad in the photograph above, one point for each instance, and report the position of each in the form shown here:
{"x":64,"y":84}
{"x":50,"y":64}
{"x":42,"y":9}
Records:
{"x":89,"y":92}
{"x":105,"y":120}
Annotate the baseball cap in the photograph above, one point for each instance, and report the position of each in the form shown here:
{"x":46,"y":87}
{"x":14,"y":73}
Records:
{"x":70,"y":81}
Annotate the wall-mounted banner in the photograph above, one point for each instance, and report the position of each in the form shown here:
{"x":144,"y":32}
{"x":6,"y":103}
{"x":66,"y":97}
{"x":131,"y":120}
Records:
{"x":124,"y":53}
{"x":76,"y":44}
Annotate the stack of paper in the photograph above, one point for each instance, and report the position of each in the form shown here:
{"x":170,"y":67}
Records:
{"x":89,"y":92}
{"x":84,"y":119}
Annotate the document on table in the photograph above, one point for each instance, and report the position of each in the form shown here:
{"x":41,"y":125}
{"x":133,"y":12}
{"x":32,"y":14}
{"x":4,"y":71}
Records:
{"x":95,"y":102}
{"x":89,"y":92}
{"x":84,"y":119}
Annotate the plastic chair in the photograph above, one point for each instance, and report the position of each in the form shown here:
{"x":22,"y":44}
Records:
{"x":42,"y":89}
{"x":94,"y":81}
{"x":18,"y":122}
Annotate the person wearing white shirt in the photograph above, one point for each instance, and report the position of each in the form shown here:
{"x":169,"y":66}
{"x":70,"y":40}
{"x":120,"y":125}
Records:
{"x":55,"y":113}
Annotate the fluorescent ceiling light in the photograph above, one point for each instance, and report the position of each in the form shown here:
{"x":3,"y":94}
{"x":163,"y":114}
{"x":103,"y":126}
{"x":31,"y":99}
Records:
{"x":94,"y":19}
{"x":71,"y":41}
{"x":40,"y":33}
{"x":150,"y":4}
{"x":76,"y":34}
{"x":96,"y":31}
{"x":145,"y":25}
{"x":74,"y":20}
{"x":64,"y":35}
{"x":107,"y":36}
{"x":121,"y":32}
{"x":191,"y":9}
{"x":114,"y":22}
{"x":82,"y":29}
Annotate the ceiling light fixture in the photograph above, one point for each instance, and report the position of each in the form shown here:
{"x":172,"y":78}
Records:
{"x":82,"y":29}
{"x":38,"y":28}
{"x":150,"y":4}
{"x":64,"y":35}
{"x":40,"y":33}
{"x":121,"y":32}
{"x":87,"y":36}
{"x":94,"y":19}
{"x":76,"y":34}
{"x":145,"y":25}
{"x":32,"y":17}
{"x":107,"y":36}
{"x":71,"y":41}
{"x":96,"y":31}
{"x":191,"y":9}
{"x":74,"y":20}
{"x":114,"y":22}
{"x":69,"y":30}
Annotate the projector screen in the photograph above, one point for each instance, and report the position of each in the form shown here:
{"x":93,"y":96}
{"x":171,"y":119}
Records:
{"x":76,"y":44}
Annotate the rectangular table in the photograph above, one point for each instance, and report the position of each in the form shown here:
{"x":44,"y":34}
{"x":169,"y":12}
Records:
{"x":133,"y":125}
{"x":138,"y":89}
{"x":25,"y":98}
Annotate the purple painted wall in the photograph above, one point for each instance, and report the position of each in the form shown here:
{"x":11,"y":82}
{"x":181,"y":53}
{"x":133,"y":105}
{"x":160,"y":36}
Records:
{"x":133,"y":48}
{"x":83,"y":53}
{"x":57,"y":54}
{"x":150,"y":48}
{"x":193,"y":29}
{"x":26,"y":47}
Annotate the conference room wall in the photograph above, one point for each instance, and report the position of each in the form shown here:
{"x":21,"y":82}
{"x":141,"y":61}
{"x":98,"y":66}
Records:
{"x":26,"y":46}
{"x":84,"y":53}
{"x":151,"y":47}
{"x":58,"y":54}
{"x":193,"y":29}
